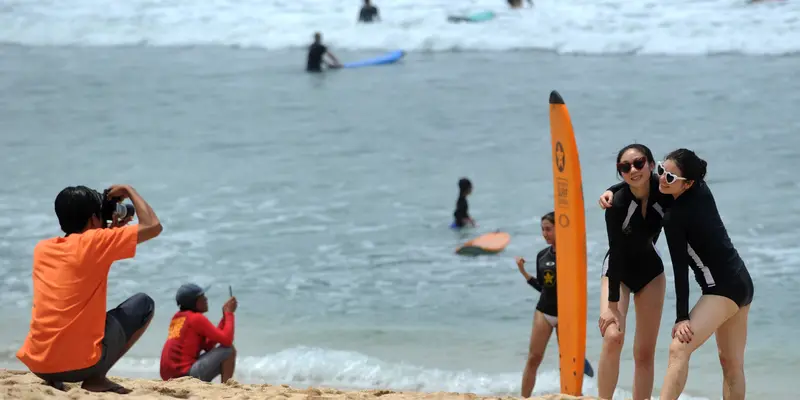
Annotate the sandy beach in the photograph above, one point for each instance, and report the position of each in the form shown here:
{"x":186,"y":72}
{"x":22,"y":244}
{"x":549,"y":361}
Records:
{"x":24,"y":385}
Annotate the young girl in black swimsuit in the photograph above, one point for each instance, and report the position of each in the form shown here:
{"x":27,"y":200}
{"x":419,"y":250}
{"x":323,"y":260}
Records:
{"x":545,"y":317}
{"x":461,"y":216}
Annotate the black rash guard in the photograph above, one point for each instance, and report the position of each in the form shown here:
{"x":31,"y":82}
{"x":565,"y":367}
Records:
{"x":697,"y":238}
{"x":462,"y":211}
{"x":545,"y":281}
{"x":315,"y":53}
{"x":632,"y":257}
{"x":368,"y":14}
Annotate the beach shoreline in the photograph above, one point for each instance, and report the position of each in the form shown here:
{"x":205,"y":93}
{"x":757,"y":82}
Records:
{"x":16,"y":384}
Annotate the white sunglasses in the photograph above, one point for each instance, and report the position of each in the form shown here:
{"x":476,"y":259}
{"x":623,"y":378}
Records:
{"x":668,"y":176}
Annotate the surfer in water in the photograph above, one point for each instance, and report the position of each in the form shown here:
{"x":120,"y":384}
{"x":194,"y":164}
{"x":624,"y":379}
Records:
{"x":368,"y":13}
{"x":316,"y":52}
{"x":518,"y":3}
{"x":461,"y":214}
{"x":545,"y":318}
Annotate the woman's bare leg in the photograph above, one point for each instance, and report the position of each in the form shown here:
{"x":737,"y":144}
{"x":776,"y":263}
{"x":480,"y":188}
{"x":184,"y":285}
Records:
{"x":540,"y":335}
{"x":649,"y":303}
{"x":731,"y":340}
{"x":608,"y":367}
{"x":706,"y":317}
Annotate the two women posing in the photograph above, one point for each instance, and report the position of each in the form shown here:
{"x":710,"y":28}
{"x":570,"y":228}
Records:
{"x":677,"y":198}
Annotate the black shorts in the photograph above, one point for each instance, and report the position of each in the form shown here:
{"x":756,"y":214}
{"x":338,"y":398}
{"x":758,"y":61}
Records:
{"x":209,"y":365}
{"x":121,"y":323}
{"x":740,"y":289}
{"x":638,"y":270}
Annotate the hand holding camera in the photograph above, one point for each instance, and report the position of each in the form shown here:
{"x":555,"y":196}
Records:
{"x":112,"y":209}
{"x":120,"y":214}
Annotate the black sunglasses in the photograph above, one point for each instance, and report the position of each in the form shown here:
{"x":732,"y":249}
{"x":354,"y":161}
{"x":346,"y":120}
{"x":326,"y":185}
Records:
{"x":625,"y":166}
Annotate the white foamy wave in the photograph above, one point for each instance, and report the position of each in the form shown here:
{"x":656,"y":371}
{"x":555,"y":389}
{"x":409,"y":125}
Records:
{"x":563,"y":26}
{"x":307,"y":366}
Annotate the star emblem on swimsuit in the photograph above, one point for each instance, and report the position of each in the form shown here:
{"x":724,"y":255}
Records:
{"x":549,"y":278}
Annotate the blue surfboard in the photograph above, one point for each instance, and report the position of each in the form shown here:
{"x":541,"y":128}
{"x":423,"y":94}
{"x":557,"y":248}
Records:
{"x":388,"y":58}
{"x":482,"y":16}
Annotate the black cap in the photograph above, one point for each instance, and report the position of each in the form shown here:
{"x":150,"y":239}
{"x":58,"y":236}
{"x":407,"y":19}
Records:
{"x":188,"y":294}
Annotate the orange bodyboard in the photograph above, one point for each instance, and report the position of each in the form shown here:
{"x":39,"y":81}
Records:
{"x":570,"y":248}
{"x":489,"y":243}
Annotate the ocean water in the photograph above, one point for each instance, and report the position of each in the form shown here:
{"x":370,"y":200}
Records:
{"x":324,"y":200}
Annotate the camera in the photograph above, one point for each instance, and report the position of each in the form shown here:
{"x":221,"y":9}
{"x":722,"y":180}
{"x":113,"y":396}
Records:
{"x":111,"y":207}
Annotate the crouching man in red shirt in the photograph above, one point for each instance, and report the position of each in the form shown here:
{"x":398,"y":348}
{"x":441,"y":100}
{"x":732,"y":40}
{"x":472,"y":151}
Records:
{"x":190,"y":332}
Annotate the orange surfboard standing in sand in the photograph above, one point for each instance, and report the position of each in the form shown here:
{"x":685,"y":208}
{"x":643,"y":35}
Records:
{"x":570,"y":248}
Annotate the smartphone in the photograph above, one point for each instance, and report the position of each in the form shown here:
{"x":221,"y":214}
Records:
{"x":230,"y":291}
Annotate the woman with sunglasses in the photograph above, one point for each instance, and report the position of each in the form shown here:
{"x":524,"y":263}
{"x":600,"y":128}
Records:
{"x":632,"y":266}
{"x":697,"y":239}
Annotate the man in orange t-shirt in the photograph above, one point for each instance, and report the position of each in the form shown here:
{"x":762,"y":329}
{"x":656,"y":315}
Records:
{"x":71,"y":337}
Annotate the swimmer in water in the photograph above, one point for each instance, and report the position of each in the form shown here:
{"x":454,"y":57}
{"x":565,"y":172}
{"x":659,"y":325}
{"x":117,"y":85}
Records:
{"x":518,"y":3}
{"x":545,"y":318}
{"x":632,"y":266}
{"x":461,"y":215}
{"x":368,"y":13}
{"x":316,"y":52}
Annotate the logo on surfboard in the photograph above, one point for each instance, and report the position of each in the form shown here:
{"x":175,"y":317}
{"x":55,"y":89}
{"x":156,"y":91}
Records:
{"x":560,"y":157}
{"x":563,"y":220}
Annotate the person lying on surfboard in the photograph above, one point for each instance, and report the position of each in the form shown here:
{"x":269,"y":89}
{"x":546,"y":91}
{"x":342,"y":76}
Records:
{"x":545,"y":318}
{"x":461,"y":214}
{"x":315,"y":55}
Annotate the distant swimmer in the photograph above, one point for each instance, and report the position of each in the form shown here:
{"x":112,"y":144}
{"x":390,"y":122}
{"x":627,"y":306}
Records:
{"x":368,"y":13}
{"x":461,"y":215}
{"x":518,"y":3}
{"x":315,"y":54}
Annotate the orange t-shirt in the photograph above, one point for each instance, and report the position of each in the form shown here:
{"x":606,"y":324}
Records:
{"x":70,"y":278}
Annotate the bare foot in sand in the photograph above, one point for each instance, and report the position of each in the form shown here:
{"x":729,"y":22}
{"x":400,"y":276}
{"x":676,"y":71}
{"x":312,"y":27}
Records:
{"x":103,"y":385}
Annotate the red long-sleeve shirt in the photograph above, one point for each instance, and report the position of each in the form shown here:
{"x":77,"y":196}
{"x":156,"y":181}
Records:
{"x":189,"y":333}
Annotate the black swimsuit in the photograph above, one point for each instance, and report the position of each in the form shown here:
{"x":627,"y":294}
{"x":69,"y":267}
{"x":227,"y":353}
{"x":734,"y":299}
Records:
{"x":697,"y":239}
{"x":545,"y":282}
{"x":461,"y":214}
{"x":632,"y":257}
